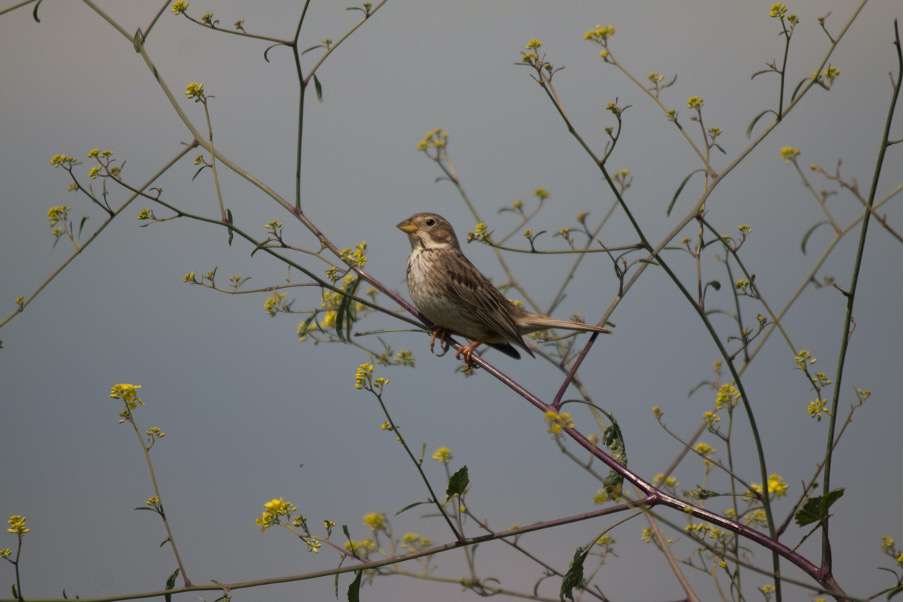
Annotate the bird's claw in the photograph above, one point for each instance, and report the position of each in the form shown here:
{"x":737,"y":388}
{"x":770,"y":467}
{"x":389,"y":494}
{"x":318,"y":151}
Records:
{"x":443,"y":344}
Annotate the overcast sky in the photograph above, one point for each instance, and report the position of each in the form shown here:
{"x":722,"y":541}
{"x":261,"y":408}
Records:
{"x":252,"y":414}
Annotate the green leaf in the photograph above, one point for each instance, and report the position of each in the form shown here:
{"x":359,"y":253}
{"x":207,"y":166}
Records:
{"x":170,"y":584}
{"x":458,"y":482}
{"x":82,"y":225}
{"x":164,"y":542}
{"x":762,"y":71}
{"x":817,"y":508}
{"x":803,"y":242}
{"x":354,"y":587}
{"x":229,"y":221}
{"x":345,"y":315}
{"x":304,"y":52}
{"x":15,"y":593}
{"x":715,"y":284}
{"x":615,"y":443}
{"x":318,"y":88}
{"x":680,"y":188}
{"x":137,"y":40}
{"x":755,"y":119}
{"x":575,"y":575}
{"x":410,"y":506}
{"x":34,"y":14}
{"x":269,"y":48}
{"x":797,"y":88}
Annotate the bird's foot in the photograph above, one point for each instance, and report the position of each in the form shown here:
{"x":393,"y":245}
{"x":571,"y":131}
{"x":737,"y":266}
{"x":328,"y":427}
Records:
{"x":466,"y":352}
{"x":443,"y":345}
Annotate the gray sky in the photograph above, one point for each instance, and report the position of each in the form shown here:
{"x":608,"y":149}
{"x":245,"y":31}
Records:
{"x":243,"y":403}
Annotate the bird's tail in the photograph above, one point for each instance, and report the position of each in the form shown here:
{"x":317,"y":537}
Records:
{"x":532,"y":322}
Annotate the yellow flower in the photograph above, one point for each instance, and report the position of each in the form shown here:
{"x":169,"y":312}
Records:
{"x":789,"y":153}
{"x":541,"y":193}
{"x":888,"y":543}
{"x":556,"y":422}
{"x":442,"y":454}
{"x":195,"y":91}
{"x":778,"y":10}
{"x":533,"y":44}
{"x":435,"y":138}
{"x":695,"y":102}
{"x":57,"y":214}
{"x":777,"y":485}
{"x":831,"y":73}
{"x":600,"y":34}
{"x":179,"y":7}
{"x":93,"y":172}
{"x":657,"y":412}
{"x":711,"y":417}
{"x":668,"y":481}
{"x":704,"y":449}
{"x":273,"y":510}
{"x":93,"y":153}
{"x":17,"y":525}
{"x":62,"y":160}
{"x":374,"y":521}
{"x":728,"y":394}
{"x":153,"y":501}
{"x":363,"y":375}
{"x":5,"y":552}
{"x":127,"y":393}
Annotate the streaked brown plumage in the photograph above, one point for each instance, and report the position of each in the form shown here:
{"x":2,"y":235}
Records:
{"x":456,"y":297}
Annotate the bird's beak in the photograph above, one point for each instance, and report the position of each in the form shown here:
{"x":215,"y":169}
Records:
{"x":407,"y":226}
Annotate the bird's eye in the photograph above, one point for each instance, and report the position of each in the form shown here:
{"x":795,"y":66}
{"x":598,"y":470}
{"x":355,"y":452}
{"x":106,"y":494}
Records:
{"x":430,"y":222}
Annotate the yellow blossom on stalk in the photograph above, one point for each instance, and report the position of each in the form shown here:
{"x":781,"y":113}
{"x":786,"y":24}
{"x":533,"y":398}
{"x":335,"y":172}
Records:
{"x":480,"y":231}
{"x":62,"y":160}
{"x":155,"y":432}
{"x":744,"y":229}
{"x":272,"y":305}
{"x":93,"y":153}
{"x":273,"y":510}
{"x":668,"y":481}
{"x":145,"y":214}
{"x":533,"y":44}
{"x":5,"y":552}
{"x":435,"y":138}
{"x":207,"y":18}
{"x":695,"y":102}
{"x":517,"y":204}
{"x":657,"y":412}
{"x":361,"y":548}
{"x":767,"y":589}
{"x":179,"y":7}
{"x":600,"y":34}
{"x":374,"y":521}
{"x":442,"y":454}
{"x":17,"y":525}
{"x":541,"y":193}
{"x":804,"y":358}
{"x":818,"y":407}
{"x":363,"y":375}
{"x":605,"y":540}
{"x":655,"y":77}
{"x":153,"y":501}
{"x":239,"y":24}
{"x":386,"y":426}
{"x":189,"y":277}
{"x":357,"y":256}
{"x":777,"y":485}
{"x":888,"y":543}
{"x":831,"y":73}
{"x":195,"y":91}
{"x":704,"y":449}
{"x":528,"y":234}
{"x":556,"y":421}
{"x":127,"y":393}
{"x":778,"y":10}
{"x":57,"y":214}
{"x":728,"y":394}
{"x":789,"y":153}
{"x":92,"y":173}
{"x":106,"y":154}
{"x":646,"y":535}
{"x":711,"y":417}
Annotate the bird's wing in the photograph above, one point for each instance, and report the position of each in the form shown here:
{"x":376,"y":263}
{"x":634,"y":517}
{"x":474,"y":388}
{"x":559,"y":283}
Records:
{"x":473,"y":291}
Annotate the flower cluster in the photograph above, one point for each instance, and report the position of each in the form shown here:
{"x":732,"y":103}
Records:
{"x":364,"y":376}
{"x":62,"y":160}
{"x":435,"y":138}
{"x":695,"y":102}
{"x":728,"y":395}
{"x":412,"y":542}
{"x":789,"y":153}
{"x":442,"y":454}
{"x":57,"y":214}
{"x":273,"y":511}
{"x":480,"y":233}
{"x":356,"y":257}
{"x":128,"y":394}
{"x":600,"y":35}
{"x":374,"y":521}
{"x":556,"y":421}
{"x":17,"y":525}
{"x":276,"y":303}
{"x":195,"y":91}
{"x":179,"y":7}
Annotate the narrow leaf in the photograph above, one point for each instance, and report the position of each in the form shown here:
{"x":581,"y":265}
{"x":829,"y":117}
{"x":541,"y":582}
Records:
{"x":82,"y":225}
{"x":354,"y":587}
{"x":803,"y":242}
{"x":170,"y":584}
{"x":34,"y":14}
{"x":318,"y":88}
{"x":458,"y":482}
{"x":797,"y":88}
{"x":410,"y":506}
{"x":164,"y":542}
{"x":817,"y":508}
{"x":229,"y":220}
{"x":755,"y":119}
{"x":762,"y":71}
{"x":269,"y":48}
{"x":574,"y":577}
{"x":304,"y":52}
{"x":200,"y":169}
{"x":680,"y":188}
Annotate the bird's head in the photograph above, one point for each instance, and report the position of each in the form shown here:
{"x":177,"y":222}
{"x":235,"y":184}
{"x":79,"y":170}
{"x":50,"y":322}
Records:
{"x":428,"y":231}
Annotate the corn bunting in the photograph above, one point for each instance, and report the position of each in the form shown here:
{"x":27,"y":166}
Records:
{"x":457,"y":298}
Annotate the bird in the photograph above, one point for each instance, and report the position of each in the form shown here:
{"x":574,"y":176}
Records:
{"x":453,"y":294}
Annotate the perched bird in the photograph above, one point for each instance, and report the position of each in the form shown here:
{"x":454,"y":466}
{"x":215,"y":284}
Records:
{"x":457,"y":298}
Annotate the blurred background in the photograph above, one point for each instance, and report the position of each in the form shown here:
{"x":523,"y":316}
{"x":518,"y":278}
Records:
{"x":252,"y":414}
